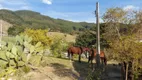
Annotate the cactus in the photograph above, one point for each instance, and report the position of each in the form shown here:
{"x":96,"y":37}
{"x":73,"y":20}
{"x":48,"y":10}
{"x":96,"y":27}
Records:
{"x":13,"y":54}
{"x":35,"y":60}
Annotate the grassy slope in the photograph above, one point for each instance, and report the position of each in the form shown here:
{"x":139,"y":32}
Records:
{"x":5,"y":26}
{"x":36,"y":20}
{"x":68,"y":37}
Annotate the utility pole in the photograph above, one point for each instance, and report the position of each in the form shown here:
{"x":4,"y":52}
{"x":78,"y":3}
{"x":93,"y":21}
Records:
{"x":1,"y":33}
{"x":98,"y":35}
{"x":1,"y":30}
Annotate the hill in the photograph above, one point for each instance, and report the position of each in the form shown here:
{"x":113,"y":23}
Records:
{"x":6,"y":26}
{"x":68,"y":37}
{"x":31,"y":19}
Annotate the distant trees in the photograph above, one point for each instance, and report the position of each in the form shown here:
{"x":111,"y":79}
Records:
{"x":13,"y":31}
{"x":88,"y":39}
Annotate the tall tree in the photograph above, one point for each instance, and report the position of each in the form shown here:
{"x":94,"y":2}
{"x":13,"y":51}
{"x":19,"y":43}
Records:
{"x":113,"y":17}
{"x":125,"y":48}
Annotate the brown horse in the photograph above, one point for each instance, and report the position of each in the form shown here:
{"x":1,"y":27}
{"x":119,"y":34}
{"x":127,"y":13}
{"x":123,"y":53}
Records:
{"x":93,"y":53}
{"x":75,"y":50}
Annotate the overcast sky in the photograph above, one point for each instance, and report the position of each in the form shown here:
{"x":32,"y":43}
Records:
{"x":73,"y":10}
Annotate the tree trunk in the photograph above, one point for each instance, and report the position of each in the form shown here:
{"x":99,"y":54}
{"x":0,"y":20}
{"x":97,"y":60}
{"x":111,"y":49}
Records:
{"x":126,"y":73}
{"x":132,"y":78}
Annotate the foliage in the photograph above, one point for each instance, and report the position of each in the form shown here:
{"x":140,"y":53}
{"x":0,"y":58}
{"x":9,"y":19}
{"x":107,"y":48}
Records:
{"x":58,"y":46}
{"x":121,"y":28}
{"x":7,"y":72}
{"x":128,"y":49}
{"x":20,"y":53}
{"x":15,"y":30}
{"x":39,"y":35}
{"x":34,"y":20}
{"x":113,"y":17}
{"x":88,"y":39}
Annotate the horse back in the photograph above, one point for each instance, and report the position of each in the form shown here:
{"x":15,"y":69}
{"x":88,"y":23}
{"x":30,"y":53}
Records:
{"x":102,"y":54}
{"x":74,"y":50}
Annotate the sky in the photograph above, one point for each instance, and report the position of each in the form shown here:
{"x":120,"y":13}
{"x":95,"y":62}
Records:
{"x":72,"y":10}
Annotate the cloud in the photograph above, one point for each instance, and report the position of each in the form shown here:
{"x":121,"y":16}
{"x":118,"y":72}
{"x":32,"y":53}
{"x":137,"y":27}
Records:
{"x":14,"y":4}
{"x":130,"y":7}
{"x":49,"y":2}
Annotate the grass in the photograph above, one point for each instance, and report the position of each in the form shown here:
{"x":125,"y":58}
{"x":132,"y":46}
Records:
{"x":63,"y":69}
{"x":5,"y":26}
{"x":80,"y":70}
{"x":8,"y":39}
{"x":68,"y":37}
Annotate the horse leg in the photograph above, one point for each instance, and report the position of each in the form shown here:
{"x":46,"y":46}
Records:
{"x":105,"y":60}
{"x":89,"y":58}
{"x":102,"y":60}
{"x":79,"y":58}
{"x":71,"y":57}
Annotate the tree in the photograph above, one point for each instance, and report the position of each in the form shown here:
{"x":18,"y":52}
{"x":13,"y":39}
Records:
{"x":128,"y":50}
{"x":15,"y":30}
{"x":125,"y":47}
{"x":88,"y":39}
{"x":112,"y":18}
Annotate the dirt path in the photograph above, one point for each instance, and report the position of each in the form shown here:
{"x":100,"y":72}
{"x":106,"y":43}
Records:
{"x":112,"y":72}
{"x":76,"y":71}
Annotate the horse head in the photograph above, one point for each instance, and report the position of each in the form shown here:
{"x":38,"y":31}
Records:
{"x":86,"y":51}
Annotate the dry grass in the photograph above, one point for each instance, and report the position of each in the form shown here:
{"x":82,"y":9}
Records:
{"x":5,"y":25}
{"x":68,"y":37}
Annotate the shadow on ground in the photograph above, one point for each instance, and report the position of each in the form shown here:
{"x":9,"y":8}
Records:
{"x":111,"y":72}
{"x":62,"y":71}
{"x":82,"y":69}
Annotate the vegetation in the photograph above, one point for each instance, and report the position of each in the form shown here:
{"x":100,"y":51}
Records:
{"x":19,"y":54}
{"x":39,"y":35}
{"x":118,"y":36}
{"x":88,"y":39}
{"x":125,"y":47}
{"x":58,"y":46}
{"x":22,"y":19}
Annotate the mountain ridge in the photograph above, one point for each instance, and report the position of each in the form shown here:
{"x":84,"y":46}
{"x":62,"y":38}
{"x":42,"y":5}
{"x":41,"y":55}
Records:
{"x":32,"y":19}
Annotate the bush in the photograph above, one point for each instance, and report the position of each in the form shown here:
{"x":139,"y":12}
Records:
{"x":58,"y":46}
{"x":39,"y":36}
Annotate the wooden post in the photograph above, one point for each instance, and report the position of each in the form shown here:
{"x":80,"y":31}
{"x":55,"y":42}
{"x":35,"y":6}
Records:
{"x":98,"y":35}
{"x":1,"y":31}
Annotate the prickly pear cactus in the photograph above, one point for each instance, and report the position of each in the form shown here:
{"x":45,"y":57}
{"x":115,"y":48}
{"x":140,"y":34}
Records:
{"x":12,"y":54}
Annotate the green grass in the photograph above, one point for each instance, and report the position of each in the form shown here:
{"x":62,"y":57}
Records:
{"x":8,"y":39}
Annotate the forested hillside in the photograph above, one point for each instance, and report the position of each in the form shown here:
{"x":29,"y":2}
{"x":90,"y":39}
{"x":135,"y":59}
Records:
{"x":24,"y":18}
